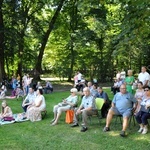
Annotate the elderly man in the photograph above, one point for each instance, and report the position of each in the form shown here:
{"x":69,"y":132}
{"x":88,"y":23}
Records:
{"x":122,"y":104}
{"x":86,"y":108}
{"x":29,"y":99}
{"x":144,"y":77}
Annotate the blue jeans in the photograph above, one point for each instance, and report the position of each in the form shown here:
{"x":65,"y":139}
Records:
{"x":142,"y":117}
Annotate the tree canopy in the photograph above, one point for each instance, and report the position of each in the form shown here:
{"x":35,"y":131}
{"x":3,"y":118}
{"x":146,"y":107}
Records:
{"x":62,"y":36}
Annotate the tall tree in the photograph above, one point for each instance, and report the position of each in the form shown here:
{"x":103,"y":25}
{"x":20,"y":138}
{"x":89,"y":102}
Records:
{"x":38,"y":66}
{"x":2,"y":70}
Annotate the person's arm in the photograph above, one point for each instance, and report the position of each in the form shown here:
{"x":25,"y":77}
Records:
{"x":6,"y":110}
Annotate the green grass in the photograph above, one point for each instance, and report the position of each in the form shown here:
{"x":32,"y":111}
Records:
{"x":42,"y":136}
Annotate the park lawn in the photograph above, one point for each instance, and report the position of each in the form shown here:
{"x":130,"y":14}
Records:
{"x":41,"y":136}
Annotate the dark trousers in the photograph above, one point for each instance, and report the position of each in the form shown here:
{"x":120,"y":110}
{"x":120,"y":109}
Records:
{"x":142,"y":117}
{"x":25,"y":108}
{"x":104,"y":109}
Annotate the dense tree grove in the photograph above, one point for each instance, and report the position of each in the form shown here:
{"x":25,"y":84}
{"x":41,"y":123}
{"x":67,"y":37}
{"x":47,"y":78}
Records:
{"x":59,"y":37}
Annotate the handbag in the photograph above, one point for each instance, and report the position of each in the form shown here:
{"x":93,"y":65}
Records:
{"x":69,"y":116}
{"x":8,"y":119}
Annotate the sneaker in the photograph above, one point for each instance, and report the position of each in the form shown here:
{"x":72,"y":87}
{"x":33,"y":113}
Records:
{"x":106,"y":129}
{"x":83,"y":129}
{"x":75,"y":125}
{"x":122,"y":133}
{"x":145,"y":130}
{"x":140,"y":130}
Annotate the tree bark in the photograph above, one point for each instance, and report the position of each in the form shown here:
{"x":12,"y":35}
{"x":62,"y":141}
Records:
{"x":38,"y":66}
{"x":2,"y":70}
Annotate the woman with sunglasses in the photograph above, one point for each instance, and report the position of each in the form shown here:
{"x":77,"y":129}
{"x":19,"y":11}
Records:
{"x":144,"y":114}
{"x":65,"y":105}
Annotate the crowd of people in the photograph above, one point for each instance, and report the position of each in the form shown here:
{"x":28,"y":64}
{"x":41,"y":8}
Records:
{"x":125,"y":102}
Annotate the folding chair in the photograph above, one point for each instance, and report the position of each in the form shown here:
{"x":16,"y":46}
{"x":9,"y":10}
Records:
{"x":131,"y":118}
{"x":99,"y":104}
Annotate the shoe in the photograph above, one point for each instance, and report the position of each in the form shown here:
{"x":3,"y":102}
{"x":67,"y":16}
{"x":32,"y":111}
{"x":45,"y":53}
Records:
{"x":75,"y":125}
{"x":83,"y":129}
{"x":140,"y":130}
{"x":106,"y":129}
{"x":122,"y":134}
{"x":54,"y":123}
{"x":145,"y":130}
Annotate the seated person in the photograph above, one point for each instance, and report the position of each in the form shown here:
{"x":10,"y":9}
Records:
{"x":6,"y":110}
{"x":94,"y":90}
{"x":139,"y":94}
{"x":144,"y":113}
{"x":86,"y":108}
{"x":29,"y":99}
{"x":34,"y":111}
{"x":39,"y":86}
{"x":81,"y":84}
{"x":2,"y":93}
{"x":106,"y":105}
{"x":19,"y":92}
{"x":48,"y":87}
{"x":67,"y":103}
{"x":122,"y":104}
{"x":116,"y":86}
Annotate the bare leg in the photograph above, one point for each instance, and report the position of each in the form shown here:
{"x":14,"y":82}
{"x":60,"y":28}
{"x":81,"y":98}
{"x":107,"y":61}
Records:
{"x":125,"y":123}
{"x":109,"y":117}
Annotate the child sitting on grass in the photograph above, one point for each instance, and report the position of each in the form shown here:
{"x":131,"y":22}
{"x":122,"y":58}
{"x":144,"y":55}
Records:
{"x":5,"y":110}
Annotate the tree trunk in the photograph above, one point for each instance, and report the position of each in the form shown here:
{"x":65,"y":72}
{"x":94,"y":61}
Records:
{"x":2,"y":70}
{"x":38,"y":66}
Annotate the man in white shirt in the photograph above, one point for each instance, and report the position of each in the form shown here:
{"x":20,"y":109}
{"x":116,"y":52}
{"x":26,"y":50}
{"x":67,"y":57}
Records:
{"x":144,"y":76}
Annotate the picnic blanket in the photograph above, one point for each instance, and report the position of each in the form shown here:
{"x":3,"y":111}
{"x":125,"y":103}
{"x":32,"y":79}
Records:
{"x":20,"y":117}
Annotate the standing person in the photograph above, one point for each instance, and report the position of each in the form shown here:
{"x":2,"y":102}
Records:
{"x":79,"y":76}
{"x":29,"y":100}
{"x":5,"y":110}
{"x":144,"y":112}
{"x":129,"y":80}
{"x":75,"y":79}
{"x":123,"y":74}
{"x":122,"y":104}
{"x":39,"y":105}
{"x":144,"y":76}
{"x":27,"y":83}
{"x":67,"y":103}
{"x":118,"y":75}
{"x":86,"y":108}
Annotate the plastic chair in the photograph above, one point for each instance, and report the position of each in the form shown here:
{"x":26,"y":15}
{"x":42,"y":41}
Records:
{"x":99,"y":104}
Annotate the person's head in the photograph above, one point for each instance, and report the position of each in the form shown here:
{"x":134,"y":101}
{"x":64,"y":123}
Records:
{"x":100,"y":89}
{"x":143,"y":69}
{"x":86,"y":91}
{"x":73,"y":91}
{"x":31,"y":90}
{"x":89,"y":84}
{"x":38,"y":83}
{"x":140,"y":85}
{"x":94,"y":86}
{"x":147,"y":90}
{"x":40,"y":91}
{"x":4,"y":104}
{"x":123,"y":88}
{"x":130,"y":72}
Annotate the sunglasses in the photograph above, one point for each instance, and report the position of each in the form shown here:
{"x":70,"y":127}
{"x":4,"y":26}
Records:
{"x":146,"y":90}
